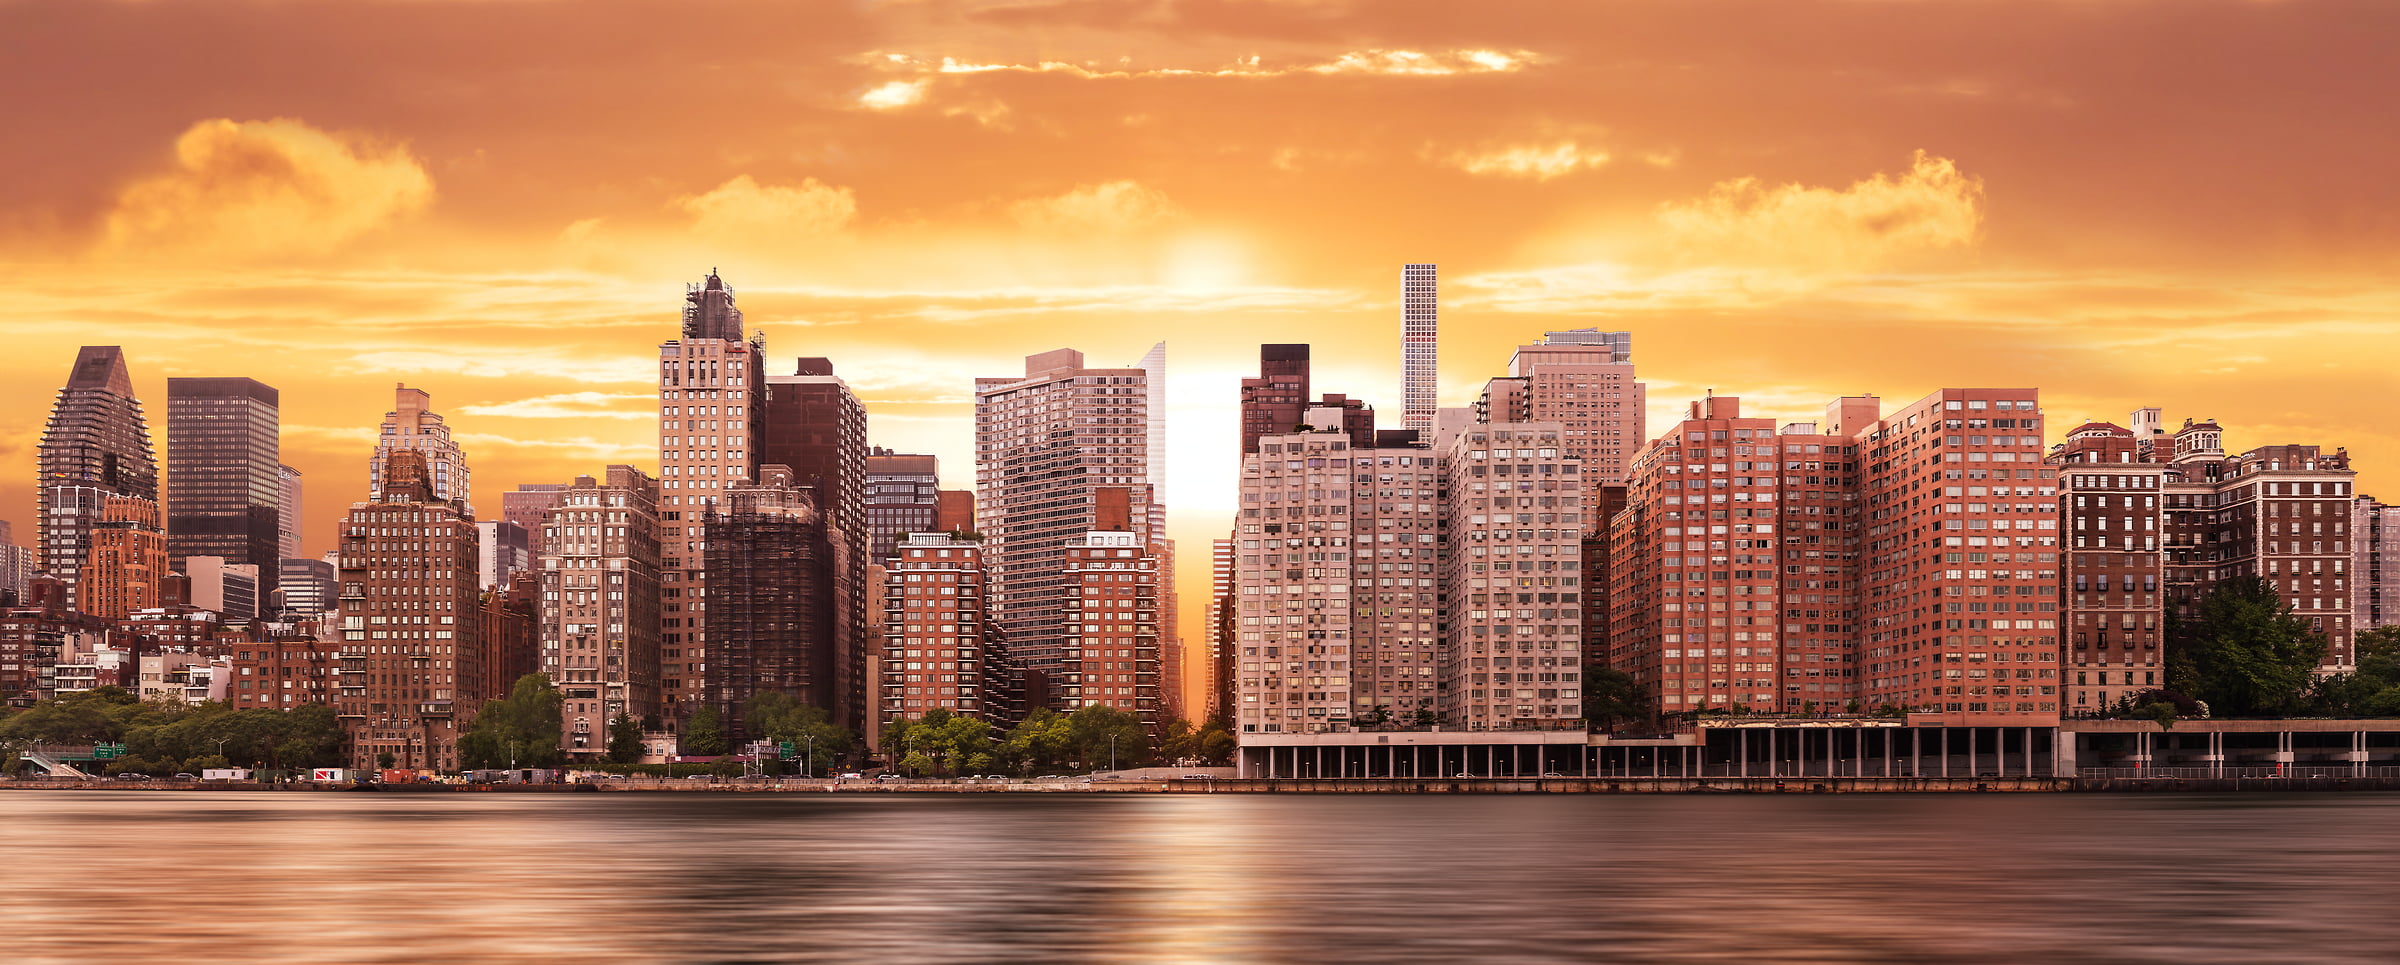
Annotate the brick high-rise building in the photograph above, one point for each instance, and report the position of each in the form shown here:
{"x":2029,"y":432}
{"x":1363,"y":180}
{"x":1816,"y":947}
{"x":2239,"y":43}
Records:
{"x":128,"y":559}
{"x":710,"y":385}
{"x":598,"y":627}
{"x":95,"y":448}
{"x":902,"y":498}
{"x":2110,"y":497}
{"x":1274,"y":401}
{"x":941,"y":647}
{"x":1045,"y":442}
{"x":816,"y":427}
{"x":2280,"y":513}
{"x":954,"y":511}
{"x":413,"y":426}
{"x":1584,"y":380}
{"x":225,"y":485}
{"x":1907,"y":561}
{"x":772,"y":623}
{"x":1113,"y":642}
{"x":526,"y":505}
{"x":1420,"y":345}
{"x":284,"y":666}
{"x":1514,"y":576}
{"x":415,"y":666}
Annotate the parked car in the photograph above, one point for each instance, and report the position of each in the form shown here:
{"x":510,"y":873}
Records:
{"x":1552,"y":774}
{"x":1199,"y":777}
{"x":133,"y":777}
{"x":850,"y":775}
{"x":887,"y":777}
{"x":185,"y":777}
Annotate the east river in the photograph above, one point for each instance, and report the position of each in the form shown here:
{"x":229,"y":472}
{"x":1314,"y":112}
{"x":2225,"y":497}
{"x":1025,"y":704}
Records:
{"x":469,"y":878}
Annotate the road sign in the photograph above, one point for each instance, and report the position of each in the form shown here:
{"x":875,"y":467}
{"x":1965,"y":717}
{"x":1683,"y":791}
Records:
{"x":107,"y":752}
{"x":788,"y":749}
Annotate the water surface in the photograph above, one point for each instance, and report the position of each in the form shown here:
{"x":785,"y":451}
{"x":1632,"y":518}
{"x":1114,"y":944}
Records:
{"x":622,"y":878}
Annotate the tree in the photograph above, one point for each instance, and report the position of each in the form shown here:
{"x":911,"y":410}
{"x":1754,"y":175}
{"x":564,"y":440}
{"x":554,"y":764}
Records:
{"x":522,"y":729}
{"x":1611,"y":696}
{"x":704,"y":734}
{"x":624,"y":739}
{"x":2245,"y":653}
{"x":1041,"y":741}
{"x":942,"y":742}
{"x":783,"y":718}
{"x":1099,"y":733}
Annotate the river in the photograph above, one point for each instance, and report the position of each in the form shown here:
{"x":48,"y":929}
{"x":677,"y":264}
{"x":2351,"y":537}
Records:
{"x":620,"y":878}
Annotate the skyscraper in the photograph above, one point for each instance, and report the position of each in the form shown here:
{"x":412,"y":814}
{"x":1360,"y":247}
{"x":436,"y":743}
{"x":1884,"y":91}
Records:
{"x":708,"y":425}
{"x":1044,"y":443}
{"x":598,"y":627}
{"x":1419,"y":348}
{"x":96,"y":447}
{"x":815,"y":426}
{"x":902,"y":498}
{"x":771,"y":624}
{"x":225,"y":485}
{"x":1578,"y":379}
{"x":289,"y":521}
{"x":1273,"y":401}
{"x":412,"y":425}
{"x":1154,"y":377}
{"x":415,"y":664}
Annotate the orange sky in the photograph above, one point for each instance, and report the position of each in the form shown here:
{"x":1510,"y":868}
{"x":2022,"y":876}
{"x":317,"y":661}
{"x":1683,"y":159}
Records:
{"x":2188,"y":204}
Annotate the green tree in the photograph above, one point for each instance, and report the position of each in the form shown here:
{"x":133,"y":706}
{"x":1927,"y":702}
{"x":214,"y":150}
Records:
{"x":1099,"y":733}
{"x":1040,"y":742}
{"x":704,"y":735}
{"x":942,"y":743}
{"x":2245,"y":653}
{"x":783,"y":718}
{"x":1611,"y":697}
{"x":521,"y":729}
{"x":624,"y":739}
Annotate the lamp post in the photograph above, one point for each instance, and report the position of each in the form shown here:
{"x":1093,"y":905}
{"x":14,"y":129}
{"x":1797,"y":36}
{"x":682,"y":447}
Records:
{"x":1112,"y":752}
{"x":808,"y":764}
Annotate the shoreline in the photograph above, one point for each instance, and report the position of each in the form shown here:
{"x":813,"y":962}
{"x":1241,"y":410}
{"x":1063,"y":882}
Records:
{"x":1717,"y":785}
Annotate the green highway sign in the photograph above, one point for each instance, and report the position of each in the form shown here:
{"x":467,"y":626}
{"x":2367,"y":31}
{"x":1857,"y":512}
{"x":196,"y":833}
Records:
{"x":107,"y":752}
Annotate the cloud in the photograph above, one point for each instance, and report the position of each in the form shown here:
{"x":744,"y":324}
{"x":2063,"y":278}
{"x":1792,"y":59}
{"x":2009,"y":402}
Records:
{"x":744,"y":208}
{"x":1540,"y":162}
{"x":1373,"y":62}
{"x":505,"y":363}
{"x":267,"y":188}
{"x":570,"y":405}
{"x":1105,"y":207}
{"x":1932,"y":205}
{"x":894,"y":95}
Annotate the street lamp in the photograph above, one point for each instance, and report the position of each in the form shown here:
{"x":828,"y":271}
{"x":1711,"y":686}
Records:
{"x":1112,"y":752}
{"x":809,"y":763}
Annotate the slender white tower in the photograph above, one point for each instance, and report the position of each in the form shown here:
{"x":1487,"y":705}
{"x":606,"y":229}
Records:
{"x":1419,"y":346}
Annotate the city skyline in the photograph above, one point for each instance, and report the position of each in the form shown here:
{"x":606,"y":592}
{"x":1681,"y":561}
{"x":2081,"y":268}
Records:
{"x":1214,"y":178}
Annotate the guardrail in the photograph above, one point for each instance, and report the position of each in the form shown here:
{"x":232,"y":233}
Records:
{"x":2245,"y":772}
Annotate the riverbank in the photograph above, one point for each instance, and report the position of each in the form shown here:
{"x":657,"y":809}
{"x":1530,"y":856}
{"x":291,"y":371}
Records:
{"x":1627,"y":785}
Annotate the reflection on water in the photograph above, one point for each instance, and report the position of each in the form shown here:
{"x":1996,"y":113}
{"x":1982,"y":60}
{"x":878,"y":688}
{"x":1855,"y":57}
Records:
{"x":460,"y":878}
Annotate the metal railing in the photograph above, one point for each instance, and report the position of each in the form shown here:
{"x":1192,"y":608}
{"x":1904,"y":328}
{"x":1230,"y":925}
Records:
{"x":2244,"y":772}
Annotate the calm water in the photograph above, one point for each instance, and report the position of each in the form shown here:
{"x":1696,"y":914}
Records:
{"x":462,"y":878}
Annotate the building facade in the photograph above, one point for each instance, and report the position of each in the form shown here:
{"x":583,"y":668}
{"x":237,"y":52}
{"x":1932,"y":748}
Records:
{"x":598,"y":629}
{"x":414,"y":666}
{"x":1420,"y":346}
{"x":941,"y":648}
{"x":95,"y":449}
{"x":413,"y":426}
{"x":2375,"y":529}
{"x":225,"y":485}
{"x":902,"y":498}
{"x":1113,"y":654}
{"x":1045,"y":442}
{"x":709,"y":426}
{"x":289,"y":501}
{"x":772,"y":623}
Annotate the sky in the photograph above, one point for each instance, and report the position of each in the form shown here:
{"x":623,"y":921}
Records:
{"x":2187,"y":204}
